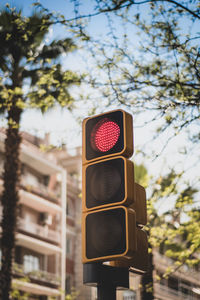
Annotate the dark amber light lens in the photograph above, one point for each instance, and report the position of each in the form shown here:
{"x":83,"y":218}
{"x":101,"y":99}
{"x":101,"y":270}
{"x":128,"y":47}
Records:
{"x":105,"y":233}
{"x":105,"y":182}
{"x":105,"y":135}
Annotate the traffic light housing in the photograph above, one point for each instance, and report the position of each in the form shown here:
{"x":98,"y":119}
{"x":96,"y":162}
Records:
{"x":138,"y":263}
{"x":139,"y":204}
{"x":113,"y":205}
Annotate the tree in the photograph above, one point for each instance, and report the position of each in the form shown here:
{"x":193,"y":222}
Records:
{"x":149,"y":62}
{"x":172,"y":231}
{"x":147,"y":282}
{"x":31,"y":77}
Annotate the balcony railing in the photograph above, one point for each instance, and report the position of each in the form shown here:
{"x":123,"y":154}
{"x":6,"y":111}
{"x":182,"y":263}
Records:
{"x":41,"y":191}
{"x":166,"y":261}
{"x":38,"y":275}
{"x":41,"y":231}
{"x":172,"y":293}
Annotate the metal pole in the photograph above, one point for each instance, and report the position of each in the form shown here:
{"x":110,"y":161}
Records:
{"x":106,"y":292}
{"x":106,"y":279}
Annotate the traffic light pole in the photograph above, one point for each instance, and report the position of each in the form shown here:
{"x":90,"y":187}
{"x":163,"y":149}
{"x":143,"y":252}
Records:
{"x":106,"y":292}
{"x":106,"y":279}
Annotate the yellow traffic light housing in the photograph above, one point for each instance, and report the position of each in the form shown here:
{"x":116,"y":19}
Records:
{"x":138,"y":263}
{"x":113,"y":205}
{"x":139,"y":204}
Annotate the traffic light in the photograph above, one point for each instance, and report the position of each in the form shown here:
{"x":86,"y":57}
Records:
{"x":113,"y":205}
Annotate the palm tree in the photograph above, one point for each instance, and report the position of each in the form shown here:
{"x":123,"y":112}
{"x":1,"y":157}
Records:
{"x":30,"y":76}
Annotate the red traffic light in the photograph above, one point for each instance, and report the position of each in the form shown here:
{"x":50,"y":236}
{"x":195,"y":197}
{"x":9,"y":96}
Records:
{"x":107,"y":135}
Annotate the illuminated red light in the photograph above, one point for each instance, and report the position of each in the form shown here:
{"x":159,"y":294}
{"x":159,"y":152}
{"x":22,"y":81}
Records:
{"x":105,"y":135}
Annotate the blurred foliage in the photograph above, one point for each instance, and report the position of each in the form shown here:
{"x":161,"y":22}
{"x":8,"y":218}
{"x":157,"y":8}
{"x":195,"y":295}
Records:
{"x":141,"y":175}
{"x":175,"y":228}
{"x":27,"y":61}
{"x":173,"y":220}
{"x":148,"y":59}
{"x":16,"y":294}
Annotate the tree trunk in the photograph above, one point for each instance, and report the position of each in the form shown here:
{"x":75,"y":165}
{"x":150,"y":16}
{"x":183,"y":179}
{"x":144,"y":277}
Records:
{"x":147,"y":292}
{"x":10,"y":199}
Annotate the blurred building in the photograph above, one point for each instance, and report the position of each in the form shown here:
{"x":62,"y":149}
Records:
{"x":71,"y":161}
{"x":183,"y":284}
{"x":40,"y":254}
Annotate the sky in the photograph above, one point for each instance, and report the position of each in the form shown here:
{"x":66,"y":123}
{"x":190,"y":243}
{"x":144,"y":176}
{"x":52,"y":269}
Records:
{"x":64,"y":127}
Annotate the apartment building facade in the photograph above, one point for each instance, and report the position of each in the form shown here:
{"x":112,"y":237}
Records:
{"x":70,"y":160}
{"x":39,"y":267}
{"x":183,"y":284}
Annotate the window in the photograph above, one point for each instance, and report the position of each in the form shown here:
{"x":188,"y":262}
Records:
{"x":68,"y":284}
{"x":173,"y":283}
{"x":70,"y":209}
{"x":31,"y":263}
{"x":69,"y":246}
{"x":185,"y":287}
{"x":162,"y":281}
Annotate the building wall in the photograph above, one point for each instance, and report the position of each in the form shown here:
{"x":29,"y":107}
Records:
{"x":72,"y":163}
{"x":38,"y":250}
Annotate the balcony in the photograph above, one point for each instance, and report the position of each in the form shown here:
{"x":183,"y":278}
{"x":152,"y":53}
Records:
{"x":164,"y":292}
{"x":41,"y":190}
{"x":163,"y":262}
{"x":37,"y":237}
{"x":42,"y":232}
{"x":37,"y":188}
{"x":38,"y":203}
{"x":36,"y":200}
{"x":36,"y":275}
